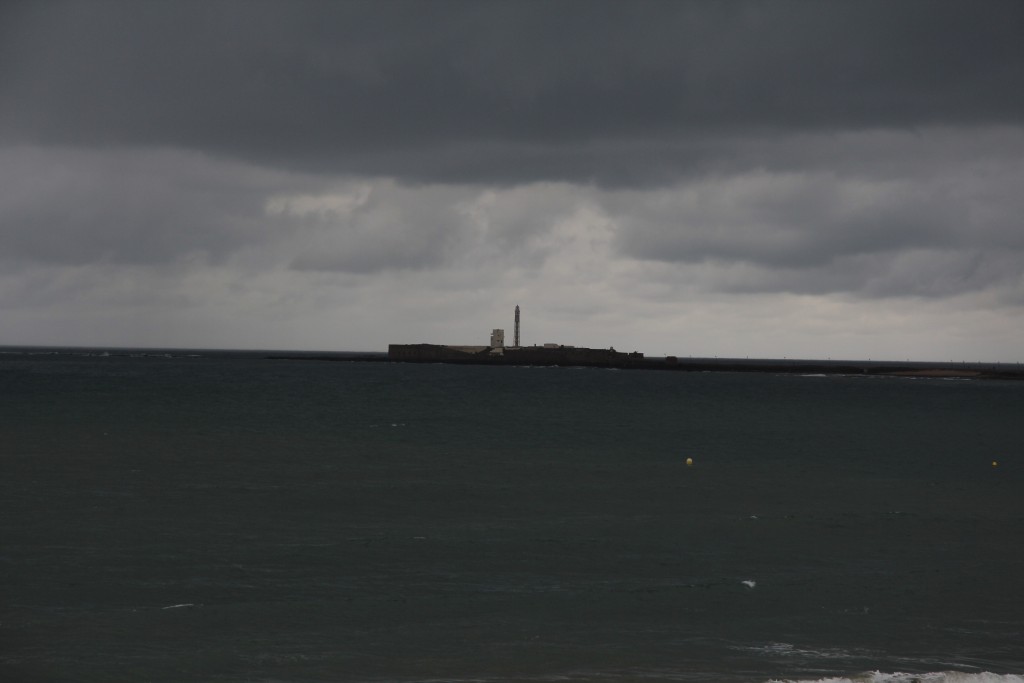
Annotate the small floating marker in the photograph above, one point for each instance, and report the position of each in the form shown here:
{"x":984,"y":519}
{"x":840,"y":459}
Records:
{"x":995,"y":463}
{"x":689,"y":462}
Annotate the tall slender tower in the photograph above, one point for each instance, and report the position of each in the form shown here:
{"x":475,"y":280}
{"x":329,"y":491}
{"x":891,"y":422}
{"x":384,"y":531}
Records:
{"x":515,"y":337}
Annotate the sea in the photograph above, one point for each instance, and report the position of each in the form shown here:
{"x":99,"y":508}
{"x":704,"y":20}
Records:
{"x":172,"y":516}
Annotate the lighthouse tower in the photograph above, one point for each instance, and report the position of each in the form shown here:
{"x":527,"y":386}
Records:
{"x":515,"y":337}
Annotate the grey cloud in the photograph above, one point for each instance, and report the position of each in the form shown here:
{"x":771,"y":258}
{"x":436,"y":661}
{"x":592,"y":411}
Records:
{"x":814,"y":232}
{"x":931,"y":274}
{"x":381,"y":225}
{"x":377,"y":228}
{"x":932,"y":214}
{"x":131,"y":206}
{"x":922,"y":273}
{"x":424,"y":91}
{"x":154,"y":207}
{"x":787,"y":220}
{"x":914,"y":196}
{"x":316,"y":174}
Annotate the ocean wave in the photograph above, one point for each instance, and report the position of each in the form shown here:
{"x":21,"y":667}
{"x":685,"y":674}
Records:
{"x":789,"y":650}
{"x":898,"y":677}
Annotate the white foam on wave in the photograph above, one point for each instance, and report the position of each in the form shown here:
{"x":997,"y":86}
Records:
{"x":899,"y":677}
{"x":790,"y":650}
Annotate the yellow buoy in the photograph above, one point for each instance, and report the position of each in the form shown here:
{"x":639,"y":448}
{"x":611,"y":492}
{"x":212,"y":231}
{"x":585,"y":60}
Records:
{"x":689,"y":462}
{"x":995,"y":463}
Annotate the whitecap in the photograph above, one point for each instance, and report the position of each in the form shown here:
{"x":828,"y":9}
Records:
{"x":899,"y":677}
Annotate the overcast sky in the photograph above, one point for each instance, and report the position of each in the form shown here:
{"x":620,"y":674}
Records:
{"x":817,"y":179}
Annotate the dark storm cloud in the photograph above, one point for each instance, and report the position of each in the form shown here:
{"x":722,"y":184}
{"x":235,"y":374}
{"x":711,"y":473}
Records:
{"x":496,"y":91}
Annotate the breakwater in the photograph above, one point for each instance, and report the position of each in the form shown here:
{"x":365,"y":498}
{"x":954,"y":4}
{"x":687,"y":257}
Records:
{"x":609,"y":358}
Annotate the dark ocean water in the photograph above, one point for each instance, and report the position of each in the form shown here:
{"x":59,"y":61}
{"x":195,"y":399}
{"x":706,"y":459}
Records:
{"x":224,"y":517}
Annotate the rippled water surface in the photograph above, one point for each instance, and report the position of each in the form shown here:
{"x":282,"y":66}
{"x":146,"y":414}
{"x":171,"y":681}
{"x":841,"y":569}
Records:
{"x":224,"y":517}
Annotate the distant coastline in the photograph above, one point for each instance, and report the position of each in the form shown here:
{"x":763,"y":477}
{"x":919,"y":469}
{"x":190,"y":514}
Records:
{"x":562,"y":357}
{"x":610,"y":359}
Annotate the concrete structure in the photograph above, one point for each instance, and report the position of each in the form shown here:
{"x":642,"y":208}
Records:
{"x":434,"y":352}
{"x":499,"y":354}
{"x":515,"y":338}
{"x":529,"y":355}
